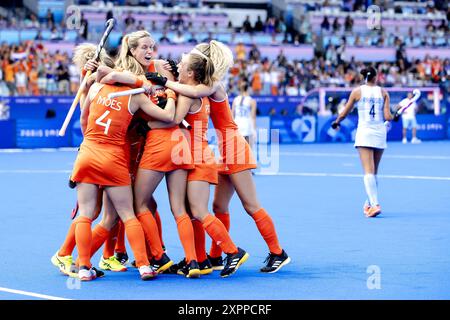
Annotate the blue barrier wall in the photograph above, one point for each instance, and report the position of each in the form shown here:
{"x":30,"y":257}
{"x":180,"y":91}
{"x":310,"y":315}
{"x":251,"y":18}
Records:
{"x":34,"y":122}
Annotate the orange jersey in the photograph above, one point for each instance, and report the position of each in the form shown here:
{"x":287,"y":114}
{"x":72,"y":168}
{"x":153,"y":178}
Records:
{"x":205,"y":167}
{"x":221,"y":116}
{"x":234,"y":150}
{"x":103,"y":158}
{"x":109,"y":118}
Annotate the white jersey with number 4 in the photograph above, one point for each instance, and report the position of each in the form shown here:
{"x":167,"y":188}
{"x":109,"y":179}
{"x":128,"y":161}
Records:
{"x":243,"y":115}
{"x":371,"y":131}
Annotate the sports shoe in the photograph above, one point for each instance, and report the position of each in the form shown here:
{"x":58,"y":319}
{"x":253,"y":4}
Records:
{"x":205,"y":267}
{"x":111,"y":264}
{"x":147,"y":273}
{"x":73,"y":272}
{"x":63,"y":263}
{"x":366,"y":207}
{"x":233,"y":262}
{"x":217,"y":263}
{"x":122,"y":257}
{"x":274,"y":262}
{"x":162,"y":264}
{"x":404,"y":141}
{"x":416,"y":141}
{"x":191,"y":270}
{"x":86,"y":274}
{"x":374,"y":211}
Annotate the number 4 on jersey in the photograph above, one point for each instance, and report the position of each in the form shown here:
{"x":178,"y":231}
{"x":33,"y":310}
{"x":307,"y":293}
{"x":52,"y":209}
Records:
{"x":104,"y":124}
{"x":372,"y":111}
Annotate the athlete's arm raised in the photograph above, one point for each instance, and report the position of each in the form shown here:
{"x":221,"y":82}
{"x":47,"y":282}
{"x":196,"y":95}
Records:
{"x":198,"y":91}
{"x":183,"y":105}
{"x":141,"y":101}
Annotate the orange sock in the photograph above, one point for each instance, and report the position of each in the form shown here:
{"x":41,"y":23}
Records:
{"x":267,"y":230}
{"x":158,"y":222}
{"x":136,"y":238}
{"x":186,"y":233}
{"x":83,"y":236}
{"x":219,"y":234}
{"x":151,"y":233}
{"x":110,"y":243}
{"x":120,"y":244}
{"x":199,"y":237}
{"x":147,"y":249}
{"x":224,"y":217}
{"x":69,"y":243}
{"x":99,"y":236}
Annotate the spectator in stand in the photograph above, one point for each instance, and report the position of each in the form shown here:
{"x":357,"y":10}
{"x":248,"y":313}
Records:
{"x":8,"y":69}
{"x":269,"y":27}
{"x":50,"y":19}
{"x":83,"y":32}
{"x":348,"y":24}
{"x":33,"y":80}
{"x":179,"y":22}
{"x":164,"y":38}
{"x":140,"y":25}
{"x":130,"y":20}
{"x":241,"y":53}
{"x":21,"y":77}
{"x":280,"y":26}
{"x":247,"y":26}
{"x":179,"y":38}
{"x":254,"y":53}
{"x":74,"y":78}
{"x":325,"y":25}
{"x":62,"y":76}
{"x":259,"y":25}
{"x":336,"y":25}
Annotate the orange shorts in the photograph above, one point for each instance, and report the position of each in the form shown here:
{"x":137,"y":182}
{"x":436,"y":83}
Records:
{"x":205,"y":169}
{"x":166,"y":150}
{"x":236,"y":155}
{"x":101,"y":164}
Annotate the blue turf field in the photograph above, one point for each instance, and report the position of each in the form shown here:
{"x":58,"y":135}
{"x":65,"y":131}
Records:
{"x":315,"y":200}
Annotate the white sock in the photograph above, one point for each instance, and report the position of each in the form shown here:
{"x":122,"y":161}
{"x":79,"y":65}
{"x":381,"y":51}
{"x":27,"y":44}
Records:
{"x":370,"y":183}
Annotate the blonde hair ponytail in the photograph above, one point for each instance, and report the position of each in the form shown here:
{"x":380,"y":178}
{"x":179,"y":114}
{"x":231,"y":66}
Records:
{"x":203,"y":69}
{"x":86,"y":51}
{"x":220,"y":55}
{"x":126,"y":61}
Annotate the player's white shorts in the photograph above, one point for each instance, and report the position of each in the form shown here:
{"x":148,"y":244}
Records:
{"x":371,"y":136}
{"x":245,"y":126}
{"x":409,"y":123}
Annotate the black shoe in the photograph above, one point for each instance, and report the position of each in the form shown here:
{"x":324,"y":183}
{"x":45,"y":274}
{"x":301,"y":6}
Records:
{"x":173,"y":269}
{"x":98,"y":273}
{"x":162,"y":264}
{"x":205,"y":267}
{"x":180,"y":266}
{"x":275,"y":262}
{"x":233,"y":261}
{"x":216,"y":263}
{"x":122,"y":257}
{"x":191,"y":270}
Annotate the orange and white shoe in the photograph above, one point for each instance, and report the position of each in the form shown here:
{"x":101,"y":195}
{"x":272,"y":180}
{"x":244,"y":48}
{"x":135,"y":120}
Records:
{"x":86,"y":274}
{"x":147,"y":273}
{"x":374,"y":211}
{"x":366,"y":208}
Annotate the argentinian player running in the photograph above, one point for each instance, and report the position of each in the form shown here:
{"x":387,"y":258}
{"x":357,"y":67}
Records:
{"x":244,"y":113}
{"x":372,"y":102}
